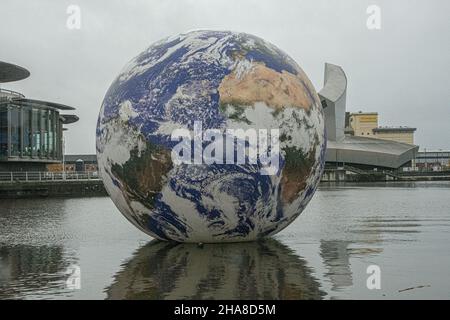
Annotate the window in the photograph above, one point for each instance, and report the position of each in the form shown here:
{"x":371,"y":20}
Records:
{"x":51,"y":134}
{"x":36,"y":129}
{"x":3,"y":132}
{"x":16,"y":127}
{"x":44,"y":135}
{"x":27,"y":132}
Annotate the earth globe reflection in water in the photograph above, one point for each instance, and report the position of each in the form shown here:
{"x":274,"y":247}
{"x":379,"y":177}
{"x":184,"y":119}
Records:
{"x":265,"y":269}
{"x":211,"y":136}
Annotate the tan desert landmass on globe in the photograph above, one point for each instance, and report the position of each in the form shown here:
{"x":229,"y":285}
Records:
{"x":263,"y":84}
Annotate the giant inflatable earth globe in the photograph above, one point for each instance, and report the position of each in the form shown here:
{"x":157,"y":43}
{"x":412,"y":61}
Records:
{"x":211,"y":136}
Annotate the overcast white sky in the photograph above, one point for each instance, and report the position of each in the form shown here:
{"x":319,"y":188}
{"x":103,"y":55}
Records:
{"x":401,"y":71}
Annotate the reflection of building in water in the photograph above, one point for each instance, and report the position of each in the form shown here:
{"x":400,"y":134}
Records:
{"x":336,"y":257}
{"x":35,"y":260}
{"x":25,"y":270}
{"x":336,"y":254}
{"x":256,"y":270}
{"x":367,"y":236}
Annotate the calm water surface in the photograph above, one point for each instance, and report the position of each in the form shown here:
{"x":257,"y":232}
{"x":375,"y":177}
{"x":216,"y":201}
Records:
{"x":324,"y":254}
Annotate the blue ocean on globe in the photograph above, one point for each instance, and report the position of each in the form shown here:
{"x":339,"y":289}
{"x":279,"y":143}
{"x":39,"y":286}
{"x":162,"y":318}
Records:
{"x":223,"y":80}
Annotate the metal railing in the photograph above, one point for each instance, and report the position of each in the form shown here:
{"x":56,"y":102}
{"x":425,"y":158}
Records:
{"x":7,"y":92}
{"x":47,"y":176}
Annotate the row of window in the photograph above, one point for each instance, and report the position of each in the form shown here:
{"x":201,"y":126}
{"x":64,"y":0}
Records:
{"x":433,"y":155}
{"x":28,"y":132}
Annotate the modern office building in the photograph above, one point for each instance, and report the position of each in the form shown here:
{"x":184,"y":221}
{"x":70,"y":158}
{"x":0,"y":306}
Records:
{"x":31,"y":131}
{"x":364,"y":151}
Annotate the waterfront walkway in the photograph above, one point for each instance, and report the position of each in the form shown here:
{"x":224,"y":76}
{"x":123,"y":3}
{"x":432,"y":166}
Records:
{"x":46,"y":176}
{"x":348,"y":173}
{"x":50,"y":184}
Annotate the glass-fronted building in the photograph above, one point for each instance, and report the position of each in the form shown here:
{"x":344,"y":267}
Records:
{"x":31,"y":132}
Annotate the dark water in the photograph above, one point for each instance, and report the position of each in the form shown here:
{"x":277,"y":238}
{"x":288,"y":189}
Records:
{"x":402,"y":228}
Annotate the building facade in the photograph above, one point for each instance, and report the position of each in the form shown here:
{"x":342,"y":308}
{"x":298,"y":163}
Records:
{"x":433,"y":160}
{"x":31,"y":131}
{"x":356,"y":145}
{"x":76,"y":163}
{"x":365,"y":124}
{"x":399,"y":134}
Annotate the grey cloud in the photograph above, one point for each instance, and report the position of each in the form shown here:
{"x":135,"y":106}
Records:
{"x":401,"y":71}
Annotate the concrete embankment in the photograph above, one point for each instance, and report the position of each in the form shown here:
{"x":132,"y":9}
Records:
{"x":355,"y":175}
{"x":95,"y":188}
{"x":67,"y":188}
